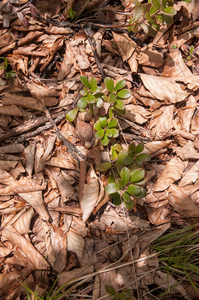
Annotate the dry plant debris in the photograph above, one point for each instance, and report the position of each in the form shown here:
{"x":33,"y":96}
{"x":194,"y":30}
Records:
{"x":55,"y":215}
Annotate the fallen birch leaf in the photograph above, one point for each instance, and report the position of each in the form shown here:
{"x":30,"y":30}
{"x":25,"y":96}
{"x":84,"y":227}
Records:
{"x":153,"y":147}
{"x":23,"y":185}
{"x":75,"y":242}
{"x":22,"y":225}
{"x":187,"y":152}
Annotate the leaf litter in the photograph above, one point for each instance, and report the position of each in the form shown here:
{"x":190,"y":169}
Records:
{"x":55,"y":215}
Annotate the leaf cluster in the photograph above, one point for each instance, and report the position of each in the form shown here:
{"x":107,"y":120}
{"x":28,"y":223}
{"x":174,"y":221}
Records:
{"x":150,"y":15}
{"x":127,"y":173}
{"x":125,"y":294}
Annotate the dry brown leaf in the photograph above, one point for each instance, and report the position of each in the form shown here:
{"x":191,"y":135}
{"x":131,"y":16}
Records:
{"x":150,"y":58}
{"x":13,"y":110}
{"x":187,"y":152}
{"x":39,"y":91}
{"x":185,"y":115}
{"x":190,"y":10}
{"x":172,"y":172}
{"x":67,"y":63}
{"x":152,"y":147}
{"x":59,"y":246}
{"x":30,"y":155}
{"x":22,"y":225}
{"x":75,"y":242}
{"x":182,"y":203}
{"x":13,"y":148}
{"x":163,"y":88}
{"x":35,"y":199}
{"x":27,"y":102}
{"x":162,"y":124}
{"x":175,"y":65}
{"x":190,"y":176}
{"x":17,"y":240}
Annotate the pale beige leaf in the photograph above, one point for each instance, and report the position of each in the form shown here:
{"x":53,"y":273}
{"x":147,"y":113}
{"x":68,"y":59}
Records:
{"x":7,"y":165}
{"x":67,"y":276}
{"x":125,"y":45}
{"x":75,"y":242}
{"x":61,"y":163}
{"x":163,"y":88}
{"x":67,"y":63}
{"x":187,"y":152}
{"x":49,"y":249}
{"x":182,"y":203}
{"x":150,"y":58}
{"x":30,"y":153}
{"x":13,"y":148}
{"x":137,"y":113}
{"x":4,"y":251}
{"x":28,"y":249}
{"x":190,"y":10}
{"x":152,"y":147}
{"x":191,"y":81}
{"x":65,"y":187}
{"x":185,"y":115}
{"x":22,"y":225}
{"x":6,"y":178}
{"x":90,"y":194}
{"x":17,"y":171}
{"x":163,"y":124}
{"x":49,"y":148}
{"x":175,"y":65}
{"x":35,"y":199}
{"x":172,"y":172}
{"x":39,"y":91}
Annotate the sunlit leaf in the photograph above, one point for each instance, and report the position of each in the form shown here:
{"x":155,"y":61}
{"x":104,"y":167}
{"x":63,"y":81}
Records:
{"x":138,"y":161}
{"x":85,"y":81}
{"x":137,"y":175}
{"x":129,"y":206}
{"x":188,"y":1}
{"x":93,"y":82}
{"x":144,"y":157}
{"x":109,"y":132}
{"x":112,"y":188}
{"x":121,"y":156}
{"x":109,"y":83}
{"x":71,"y":115}
{"x":121,"y":183}
{"x":137,"y":12}
{"x":128,"y":160}
{"x":95,"y":89}
{"x":119,"y":168}
{"x":120,"y":84}
{"x":153,"y":9}
{"x":97,"y":126}
{"x":99,"y":102}
{"x":132,"y":148}
{"x":120,"y":105}
{"x":118,"y":147}
{"x":111,"y":178}
{"x":124,"y":94}
{"x":104,"y":166}
{"x":99,"y":134}
{"x":111,"y":112}
{"x":105,"y":140}
{"x":125,"y":175}
{"x":91,"y":99}
{"x":115,"y":132}
{"x":103,"y":121}
{"x":133,"y":190}
{"x":156,"y":3}
{"x":170,"y":10}
{"x":112,"y":98}
{"x":136,"y":2}
{"x":142,"y":193}
{"x":113,"y":123}
{"x":82,"y":102}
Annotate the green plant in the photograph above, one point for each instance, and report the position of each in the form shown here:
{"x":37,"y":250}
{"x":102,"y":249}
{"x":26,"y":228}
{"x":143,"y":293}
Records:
{"x":178,"y":253}
{"x":9,"y":74}
{"x":71,"y":14}
{"x":150,"y":15}
{"x":127,"y":173}
{"x":125,"y":294}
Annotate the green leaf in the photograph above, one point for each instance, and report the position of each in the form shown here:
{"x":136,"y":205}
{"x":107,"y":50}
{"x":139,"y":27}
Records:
{"x":116,"y":199}
{"x":95,"y":89}
{"x":156,"y":3}
{"x":134,"y":168}
{"x":111,"y":112}
{"x":153,"y":9}
{"x":142,"y":193}
{"x":144,"y":157}
{"x":118,"y":147}
{"x":84,"y":92}
{"x":120,"y":84}
{"x":133,"y":190}
{"x":97,"y":126}
{"x":115,"y":132}
{"x":170,"y":10}
{"x":129,"y":206}
{"x":109,"y":83}
{"x":138,"y":161}
{"x":127,"y":198}
{"x":112,"y":123}
{"x":82,"y":102}
{"x":71,"y":115}
{"x":121,"y":183}
{"x":139,"y":148}
{"x":93,"y":82}
{"x":141,"y":182}
{"x":137,"y":175}
{"x":105,"y":140}
{"x":112,"y":98}
{"x":119,"y":168}
{"x":109,"y":289}
{"x":85,"y":81}
{"x":112,"y":188}
{"x":191,"y":49}
{"x":188,"y":1}
{"x":137,"y":12}
{"x":119,"y":104}
{"x":125,"y":175}
{"x":104,"y":166}
{"x":128,"y":160}
{"x":109,"y":132}
{"x":99,"y":102}
{"x":136,"y":2}
{"x":121,"y":156}
{"x":91,"y":99}
{"x":111,"y":178}
{"x":132,"y":148}
{"x":103,"y":121}
{"x":124,"y":94}
{"x":99,"y":134}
